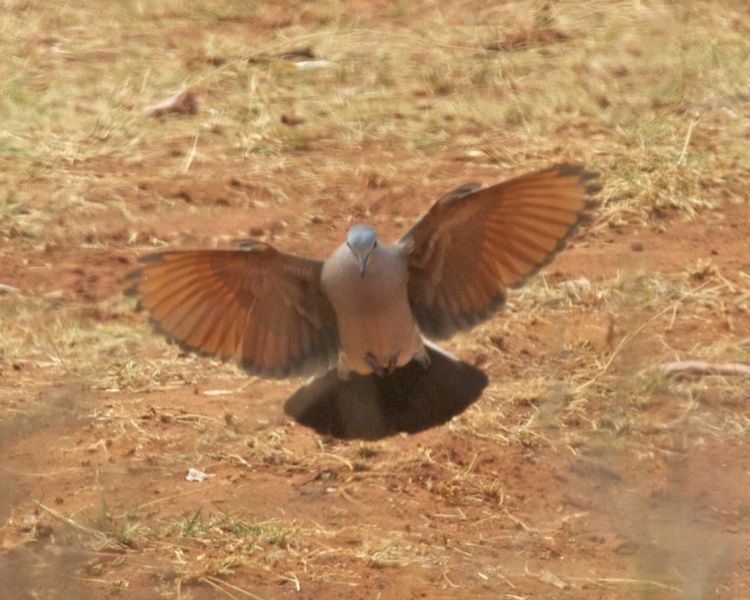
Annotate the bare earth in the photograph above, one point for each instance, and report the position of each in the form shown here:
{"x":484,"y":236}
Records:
{"x":583,"y":472}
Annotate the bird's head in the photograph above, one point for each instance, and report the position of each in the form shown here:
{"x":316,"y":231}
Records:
{"x":361,"y":241}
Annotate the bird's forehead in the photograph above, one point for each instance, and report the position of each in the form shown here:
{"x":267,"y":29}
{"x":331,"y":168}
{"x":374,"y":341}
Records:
{"x":361,"y":235}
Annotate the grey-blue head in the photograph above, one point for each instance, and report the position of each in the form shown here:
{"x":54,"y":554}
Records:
{"x":361,"y":240}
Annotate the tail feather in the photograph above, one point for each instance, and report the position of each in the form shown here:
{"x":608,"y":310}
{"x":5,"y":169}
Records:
{"x":411,"y":399}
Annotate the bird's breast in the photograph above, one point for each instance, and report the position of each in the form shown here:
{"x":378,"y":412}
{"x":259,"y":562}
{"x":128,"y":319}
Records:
{"x":373,"y":312}
{"x":382,"y":283}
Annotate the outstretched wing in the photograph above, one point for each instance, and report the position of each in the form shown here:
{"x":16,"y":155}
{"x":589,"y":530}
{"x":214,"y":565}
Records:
{"x":473,"y":244}
{"x":262,"y":308}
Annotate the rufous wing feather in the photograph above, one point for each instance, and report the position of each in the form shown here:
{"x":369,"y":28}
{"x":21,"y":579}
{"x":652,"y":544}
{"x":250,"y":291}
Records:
{"x":262,"y":308}
{"x":473,"y":244}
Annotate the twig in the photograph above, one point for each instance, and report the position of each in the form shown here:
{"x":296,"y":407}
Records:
{"x":546,"y":576}
{"x":341,"y":459}
{"x":700,"y":367}
{"x":183,"y":102}
{"x":626,"y":580}
{"x":201,"y":490}
{"x":448,"y":579}
{"x":7,"y":289}
{"x":68,"y":521}
{"x":193,"y":418}
{"x":213,"y":584}
{"x":519,"y":522}
{"x":683,"y":154}
{"x":347,"y":496}
{"x":294,"y":579}
{"x":217,"y":583}
{"x":191,"y":155}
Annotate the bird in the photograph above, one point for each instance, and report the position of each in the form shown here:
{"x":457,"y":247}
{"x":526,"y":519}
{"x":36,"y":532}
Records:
{"x":365,"y":322}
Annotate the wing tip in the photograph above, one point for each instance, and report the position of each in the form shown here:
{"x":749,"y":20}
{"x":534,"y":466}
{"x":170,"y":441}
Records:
{"x":132,"y":292}
{"x":153,"y":258}
{"x":583,"y":218}
{"x":460,"y":192}
{"x":589,"y":178}
{"x":133,"y":280}
{"x":448,"y":325}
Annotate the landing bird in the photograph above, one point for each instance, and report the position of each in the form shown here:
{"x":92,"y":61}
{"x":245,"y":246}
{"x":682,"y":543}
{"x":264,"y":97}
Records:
{"x":364,"y":319}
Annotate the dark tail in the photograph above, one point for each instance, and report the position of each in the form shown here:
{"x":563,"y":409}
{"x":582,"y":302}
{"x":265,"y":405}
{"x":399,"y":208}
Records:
{"x":369,"y":407}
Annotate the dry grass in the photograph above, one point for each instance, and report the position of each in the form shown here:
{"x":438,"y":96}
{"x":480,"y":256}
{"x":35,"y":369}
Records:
{"x":412,"y":100}
{"x":654,"y":117}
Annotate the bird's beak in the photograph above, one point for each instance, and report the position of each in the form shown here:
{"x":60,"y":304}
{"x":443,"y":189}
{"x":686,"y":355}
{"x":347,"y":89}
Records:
{"x":362,"y":262}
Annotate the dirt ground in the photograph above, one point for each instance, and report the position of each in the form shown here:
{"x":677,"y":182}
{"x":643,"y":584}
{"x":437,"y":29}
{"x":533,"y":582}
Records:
{"x":582,"y":472}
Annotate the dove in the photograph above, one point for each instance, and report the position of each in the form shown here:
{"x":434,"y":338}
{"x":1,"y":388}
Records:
{"x":365,"y":320}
